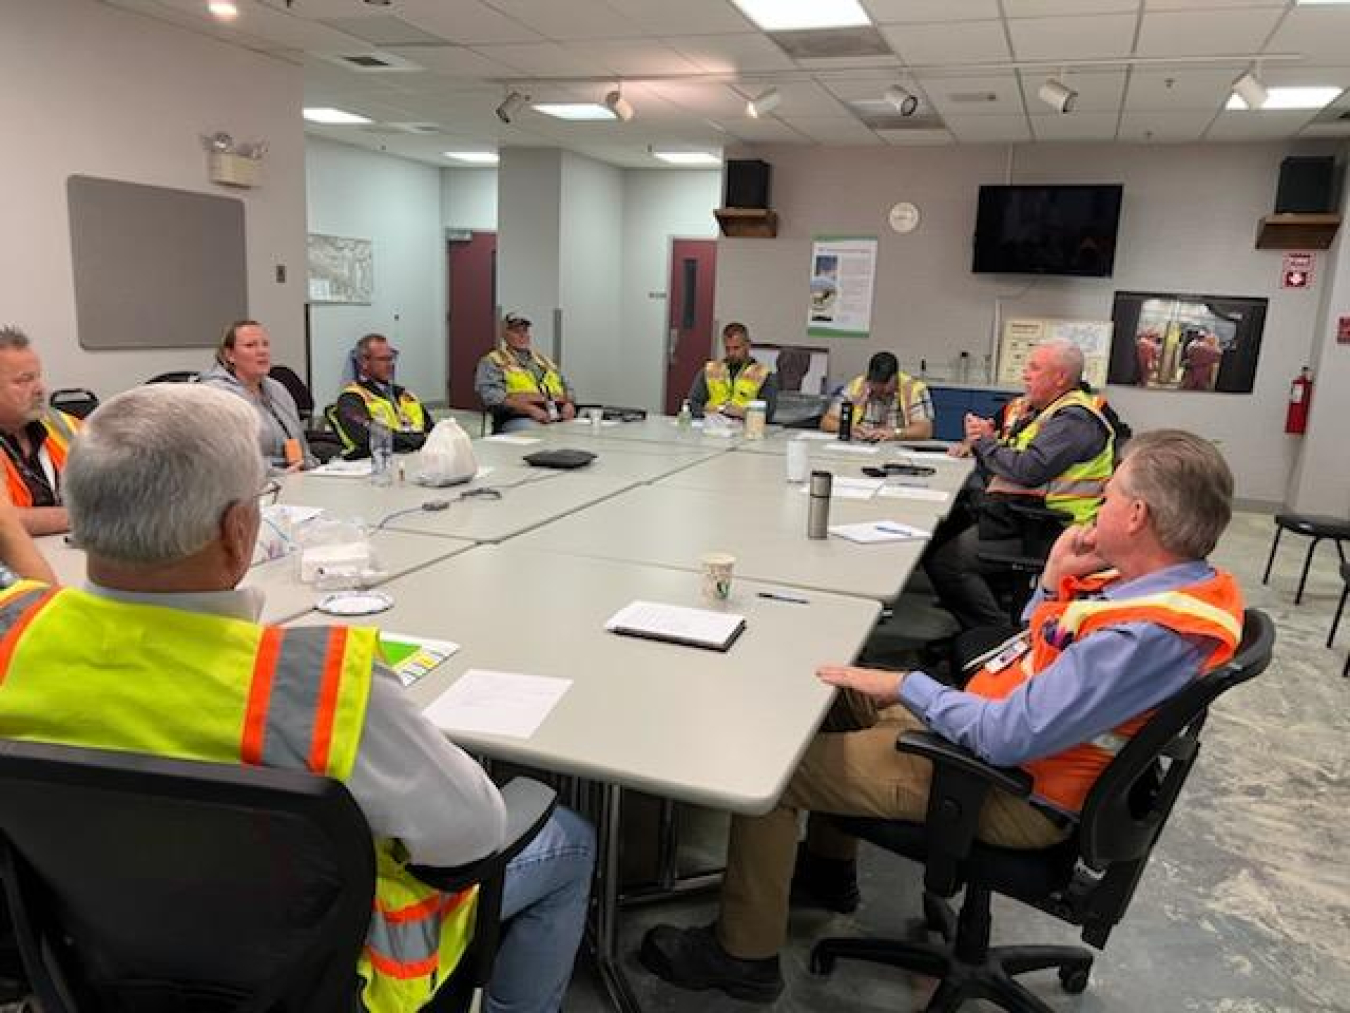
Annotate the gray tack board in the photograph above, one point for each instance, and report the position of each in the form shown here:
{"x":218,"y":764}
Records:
{"x":154,"y":267}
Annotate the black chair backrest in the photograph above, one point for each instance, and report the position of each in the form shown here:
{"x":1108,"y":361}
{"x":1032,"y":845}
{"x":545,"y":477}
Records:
{"x":296,"y":387}
{"x":169,"y":885}
{"x":77,"y":401}
{"x":176,"y":376}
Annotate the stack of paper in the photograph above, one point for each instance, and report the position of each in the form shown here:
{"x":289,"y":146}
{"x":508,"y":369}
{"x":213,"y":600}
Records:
{"x":413,"y":657}
{"x":677,"y":624}
{"x":338,"y":468}
{"x":878,"y":531}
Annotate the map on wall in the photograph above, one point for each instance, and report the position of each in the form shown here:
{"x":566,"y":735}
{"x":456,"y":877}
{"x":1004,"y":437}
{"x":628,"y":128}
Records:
{"x":1022,"y":335}
{"x":341,"y":270}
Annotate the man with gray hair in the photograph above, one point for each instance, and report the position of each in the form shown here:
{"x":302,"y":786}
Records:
{"x":1059,"y":455}
{"x":36,"y":437}
{"x":164,"y":488}
{"x":1128,"y":614}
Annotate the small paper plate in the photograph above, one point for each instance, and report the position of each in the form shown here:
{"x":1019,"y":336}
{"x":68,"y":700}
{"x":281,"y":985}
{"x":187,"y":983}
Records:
{"x":355,"y":603}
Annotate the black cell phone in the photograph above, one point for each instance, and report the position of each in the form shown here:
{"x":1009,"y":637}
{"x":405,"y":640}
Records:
{"x":872,"y":472}
{"x":915,"y":470}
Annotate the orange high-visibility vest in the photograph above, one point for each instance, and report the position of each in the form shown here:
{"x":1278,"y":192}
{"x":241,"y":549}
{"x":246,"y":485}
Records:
{"x":61,"y":431}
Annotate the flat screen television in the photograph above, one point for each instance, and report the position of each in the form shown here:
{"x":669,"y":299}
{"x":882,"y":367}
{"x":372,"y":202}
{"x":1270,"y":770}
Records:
{"x":1047,"y":230}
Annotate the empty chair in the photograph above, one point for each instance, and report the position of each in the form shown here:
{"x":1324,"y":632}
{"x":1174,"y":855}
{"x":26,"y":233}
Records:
{"x":1314,"y":526}
{"x":77,"y":401}
{"x":176,"y":376}
{"x":1340,"y":608}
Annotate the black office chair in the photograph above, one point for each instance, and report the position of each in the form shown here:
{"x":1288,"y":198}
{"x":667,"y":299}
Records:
{"x":77,"y":401}
{"x":1315,"y":526}
{"x":323,"y":443}
{"x":1087,"y":880}
{"x":176,"y":376}
{"x":1014,"y":574}
{"x":1340,"y":608}
{"x":167,"y":886}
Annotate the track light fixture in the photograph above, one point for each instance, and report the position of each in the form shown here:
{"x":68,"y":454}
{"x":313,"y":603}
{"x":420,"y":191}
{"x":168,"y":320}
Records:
{"x":763,"y":104}
{"x":1249,"y":89}
{"x":619,"y":106}
{"x":1058,"y":95}
{"x":511,"y":105}
{"x":904,"y":102}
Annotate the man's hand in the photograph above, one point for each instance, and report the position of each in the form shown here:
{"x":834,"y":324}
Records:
{"x":874,"y":682}
{"x":538,"y":414}
{"x":732,"y":411}
{"x":959,"y":450}
{"x":978,"y":428}
{"x":568,"y":411}
{"x":1074,"y":554}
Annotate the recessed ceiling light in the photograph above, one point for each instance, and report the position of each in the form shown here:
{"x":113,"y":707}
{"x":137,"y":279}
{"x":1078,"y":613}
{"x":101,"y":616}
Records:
{"x":334,"y":117}
{"x":575,"y":110}
{"x":795,"y":15}
{"x":474,"y":157}
{"x":1291,"y":98}
{"x":687,"y":157}
{"x":224,"y":10}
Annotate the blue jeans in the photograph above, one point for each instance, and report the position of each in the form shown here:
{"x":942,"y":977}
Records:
{"x":543,"y":913}
{"x":521,"y":423}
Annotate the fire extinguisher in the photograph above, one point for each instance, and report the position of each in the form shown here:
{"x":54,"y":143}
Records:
{"x":1300,"y":400}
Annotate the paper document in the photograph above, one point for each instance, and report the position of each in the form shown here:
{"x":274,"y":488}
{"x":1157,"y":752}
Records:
{"x":878,"y":531}
{"x":338,"y":468}
{"x":816,"y":437}
{"x":413,"y":657}
{"x":497,"y":703}
{"x":914,"y":492}
{"x":606,"y":423}
{"x":852,"y":488}
{"x":677,"y":624}
{"x":867,"y":449}
{"x":519,"y":441}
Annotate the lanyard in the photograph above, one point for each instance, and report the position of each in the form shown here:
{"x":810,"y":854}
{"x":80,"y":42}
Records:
{"x":45,"y":491}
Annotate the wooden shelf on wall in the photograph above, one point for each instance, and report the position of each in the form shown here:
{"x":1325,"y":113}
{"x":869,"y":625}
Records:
{"x":1297,"y":232}
{"x":748,"y":223}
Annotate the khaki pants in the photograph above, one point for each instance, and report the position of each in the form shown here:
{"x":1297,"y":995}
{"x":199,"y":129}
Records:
{"x":853,"y":772}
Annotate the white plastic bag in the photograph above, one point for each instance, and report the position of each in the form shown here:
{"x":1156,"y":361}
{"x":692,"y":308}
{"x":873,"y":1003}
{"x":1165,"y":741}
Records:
{"x":447,"y":456}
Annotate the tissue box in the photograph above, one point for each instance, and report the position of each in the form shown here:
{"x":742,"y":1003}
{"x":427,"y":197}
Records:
{"x":346,"y":557}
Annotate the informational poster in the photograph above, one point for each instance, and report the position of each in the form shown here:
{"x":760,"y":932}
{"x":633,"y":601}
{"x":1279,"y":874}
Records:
{"x":1022,"y":335}
{"x":843,"y":276}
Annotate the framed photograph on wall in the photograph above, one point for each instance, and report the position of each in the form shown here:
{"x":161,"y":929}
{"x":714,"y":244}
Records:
{"x":1170,"y":341}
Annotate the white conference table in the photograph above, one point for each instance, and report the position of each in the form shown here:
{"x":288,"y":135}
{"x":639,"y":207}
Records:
{"x":665,"y":525}
{"x":622,"y":459}
{"x":529,"y":497}
{"x":398,"y":553}
{"x":661,"y":429}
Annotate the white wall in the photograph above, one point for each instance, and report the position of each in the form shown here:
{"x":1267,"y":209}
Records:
{"x":529,"y":223}
{"x":658,"y":206}
{"x":590,"y":270}
{"x":1188,"y":225}
{"x":469,"y":199}
{"x":102,"y":92}
{"x":395,"y":203}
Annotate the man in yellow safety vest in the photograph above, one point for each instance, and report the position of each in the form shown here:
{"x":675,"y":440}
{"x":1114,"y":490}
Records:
{"x":727,"y":385}
{"x":375,"y":396}
{"x":163,"y":489}
{"x":521,"y":386}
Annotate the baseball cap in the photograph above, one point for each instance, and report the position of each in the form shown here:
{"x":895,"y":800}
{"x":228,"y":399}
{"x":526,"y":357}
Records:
{"x":515,"y":321}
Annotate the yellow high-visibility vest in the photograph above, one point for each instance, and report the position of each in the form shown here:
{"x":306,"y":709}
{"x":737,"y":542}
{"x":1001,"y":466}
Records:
{"x":908,"y":392}
{"x":740,"y":392}
{"x":407,"y":417}
{"x":519,"y":380}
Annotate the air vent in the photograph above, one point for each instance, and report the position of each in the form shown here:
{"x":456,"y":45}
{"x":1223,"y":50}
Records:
{"x":383,"y":30}
{"x":373,"y":62}
{"x":832,"y":43}
{"x":894,"y":121}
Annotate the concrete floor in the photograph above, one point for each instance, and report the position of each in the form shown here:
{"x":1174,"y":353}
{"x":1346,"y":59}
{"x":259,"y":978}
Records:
{"x":1245,"y":907}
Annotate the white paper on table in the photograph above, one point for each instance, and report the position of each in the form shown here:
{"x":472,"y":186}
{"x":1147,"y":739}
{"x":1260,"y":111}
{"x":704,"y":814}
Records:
{"x":579,"y":421}
{"x":484,"y":471}
{"x":852,"y":488}
{"x":512,"y":438}
{"x":338,"y":468}
{"x":816,"y":436}
{"x":872,"y":532}
{"x":497,"y":703}
{"x":857,"y":448}
{"x":914,"y":492}
{"x":677,"y":623}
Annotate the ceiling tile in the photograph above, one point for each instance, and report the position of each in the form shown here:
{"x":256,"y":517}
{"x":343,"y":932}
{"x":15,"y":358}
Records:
{"x":538,"y":59}
{"x":916,"y":138}
{"x":1257,"y":126}
{"x":971,"y":42}
{"x":1055,"y":8}
{"x":466,"y":22}
{"x":833,"y":130}
{"x":632,"y":57}
{"x":701,"y":98}
{"x":1164,"y":127}
{"x":1201,"y":33}
{"x":1340,"y":129}
{"x":1076,"y":38}
{"x":766,"y":131}
{"x":802,"y":98}
{"x":722,"y":54}
{"x":452,"y":61}
{"x":1179,"y":89}
{"x":963,"y":96}
{"x":1074,"y":127}
{"x":989,"y":129}
{"x":575,"y":19}
{"x":661,"y":17}
{"x":1097,"y":91}
{"x":901,"y":11}
{"x":1200,"y":5}
{"x":1317,"y":33}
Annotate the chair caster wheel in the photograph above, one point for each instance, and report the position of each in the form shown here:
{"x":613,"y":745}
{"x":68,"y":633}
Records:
{"x":1074,"y":979}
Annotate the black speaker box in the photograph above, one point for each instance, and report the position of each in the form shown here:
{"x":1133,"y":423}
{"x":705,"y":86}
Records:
{"x":1307,"y":185}
{"x":747,"y":183}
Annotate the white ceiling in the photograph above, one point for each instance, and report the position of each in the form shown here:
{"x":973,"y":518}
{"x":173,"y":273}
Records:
{"x":688,"y":67}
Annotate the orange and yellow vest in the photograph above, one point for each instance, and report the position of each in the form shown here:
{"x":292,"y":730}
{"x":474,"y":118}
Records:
{"x":519,"y":380}
{"x":81,"y":670}
{"x":407,"y":417}
{"x":1211,"y":608}
{"x":1078,"y":490}
{"x":908,"y":392}
{"x":740,"y":392}
{"x":61,"y":431}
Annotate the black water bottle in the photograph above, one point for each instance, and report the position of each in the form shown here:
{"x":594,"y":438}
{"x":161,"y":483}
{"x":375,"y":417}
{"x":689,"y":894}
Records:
{"x":846,"y":420}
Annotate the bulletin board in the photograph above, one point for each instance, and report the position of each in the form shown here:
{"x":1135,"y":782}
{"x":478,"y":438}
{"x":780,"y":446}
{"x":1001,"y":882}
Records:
{"x":1020,"y":336}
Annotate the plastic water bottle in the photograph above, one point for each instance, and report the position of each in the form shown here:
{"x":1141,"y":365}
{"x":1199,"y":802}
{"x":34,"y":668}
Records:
{"x":381,"y":454}
{"x":686,"y":417}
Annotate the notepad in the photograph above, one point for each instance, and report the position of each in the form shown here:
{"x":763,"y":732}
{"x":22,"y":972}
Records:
{"x":413,"y":657}
{"x":878,"y":531}
{"x":338,"y":468}
{"x":497,"y":703}
{"x":676,"y":624}
{"x":914,"y":492}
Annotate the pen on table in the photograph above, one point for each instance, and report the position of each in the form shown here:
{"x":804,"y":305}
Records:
{"x":784,"y":597}
{"x":891,"y":529}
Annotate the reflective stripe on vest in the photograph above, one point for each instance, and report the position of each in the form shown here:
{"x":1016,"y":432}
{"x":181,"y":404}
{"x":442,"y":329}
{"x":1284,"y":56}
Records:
{"x":740,"y":392}
{"x":906,"y":394}
{"x":18,"y":608}
{"x":61,"y":432}
{"x":408,"y":416}
{"x":519,"y":380}
{"x":406,"y":942}
{"x":1079,"y":489}
{"x":285,"y":708}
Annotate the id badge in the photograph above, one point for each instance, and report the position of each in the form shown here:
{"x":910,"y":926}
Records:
{"x":1007,"y":654}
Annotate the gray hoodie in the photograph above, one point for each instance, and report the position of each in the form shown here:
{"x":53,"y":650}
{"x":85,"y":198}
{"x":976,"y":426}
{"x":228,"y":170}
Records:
{"x":278,"y":418}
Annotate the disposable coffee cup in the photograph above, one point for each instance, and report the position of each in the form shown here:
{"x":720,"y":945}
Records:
{"x":717,"y":568}
{"x":798,"y":461}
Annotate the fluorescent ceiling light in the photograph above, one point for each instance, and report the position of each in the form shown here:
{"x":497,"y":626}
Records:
{"x":223,"y":10}
{"x":687,"y":157}
{"x":794,"y":15}
{"x":1291,"y":98}
{"x":475,"y":157}
{"x":763,"y":103}
{"x":575,"y":110}
{"x":334,"y":117}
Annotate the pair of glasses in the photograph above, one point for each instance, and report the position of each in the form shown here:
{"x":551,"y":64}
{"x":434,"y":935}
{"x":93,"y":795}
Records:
{"x":392,"y":357}
{"x":269,"y":493}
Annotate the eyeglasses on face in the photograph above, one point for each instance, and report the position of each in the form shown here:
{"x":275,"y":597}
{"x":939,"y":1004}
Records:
{"x":269,"y":493}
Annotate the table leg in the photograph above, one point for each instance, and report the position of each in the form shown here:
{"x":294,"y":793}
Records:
{"x":606,"y":924}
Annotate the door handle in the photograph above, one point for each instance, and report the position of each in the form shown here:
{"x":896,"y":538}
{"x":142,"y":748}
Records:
{"x":672,"y":345}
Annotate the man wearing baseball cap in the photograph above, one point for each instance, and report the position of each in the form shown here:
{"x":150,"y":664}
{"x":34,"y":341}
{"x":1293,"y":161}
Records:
{"x":520,"y":386}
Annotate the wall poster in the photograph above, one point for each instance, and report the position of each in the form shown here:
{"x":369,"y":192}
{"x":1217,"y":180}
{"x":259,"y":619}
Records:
{"x":843,"y":275}
{"x":1165,"y":341}
{"x":341,"y":270}
{"x":1020,"y":336}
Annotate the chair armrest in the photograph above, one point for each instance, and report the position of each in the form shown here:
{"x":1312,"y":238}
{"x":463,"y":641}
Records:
{"x":959,"y":785}
{"x":1032,"y":512}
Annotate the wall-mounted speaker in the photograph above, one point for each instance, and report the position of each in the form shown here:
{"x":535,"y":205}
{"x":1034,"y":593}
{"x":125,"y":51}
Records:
{"x":747,"y":183}
{"x":1307,"y":185}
